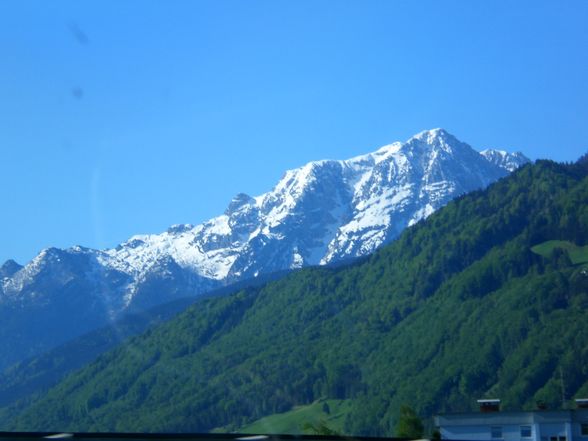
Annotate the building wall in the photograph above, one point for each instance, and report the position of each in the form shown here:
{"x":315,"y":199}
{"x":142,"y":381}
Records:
{"x":576,"y":429}
{"x":483,"y":433}
{"x":555,"y":430}
{"x":545,"y":426}
{"x":479,"y":433}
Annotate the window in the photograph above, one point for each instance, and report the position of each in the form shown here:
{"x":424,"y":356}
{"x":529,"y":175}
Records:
{"x":526,"y":432}
{"x":584,"y":429}
{"x":562,"y":438}
{"x":496,"y":432}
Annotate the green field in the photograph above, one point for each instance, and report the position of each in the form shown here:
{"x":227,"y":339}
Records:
{"x":578,"y":255}
{"x":292,"y":422}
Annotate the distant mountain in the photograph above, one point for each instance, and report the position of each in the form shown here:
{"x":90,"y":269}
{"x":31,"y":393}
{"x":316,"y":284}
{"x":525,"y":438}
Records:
{"x":505,"y":160}
{"x":488,"y":297}
{"x":321,"y":213}
{"x":9,"y":268}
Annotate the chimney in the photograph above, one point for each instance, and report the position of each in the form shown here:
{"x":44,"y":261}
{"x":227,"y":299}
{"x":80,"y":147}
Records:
{"x":490,"y":405}
{"x":582,"y":403}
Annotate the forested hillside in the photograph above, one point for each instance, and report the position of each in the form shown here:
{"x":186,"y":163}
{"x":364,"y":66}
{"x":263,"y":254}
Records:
{"x":463,"y":305}
{"x":32,"y":377}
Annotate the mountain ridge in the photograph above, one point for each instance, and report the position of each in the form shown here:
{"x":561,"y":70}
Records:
{"x":122,"y":258}
{"x":323,"y":212}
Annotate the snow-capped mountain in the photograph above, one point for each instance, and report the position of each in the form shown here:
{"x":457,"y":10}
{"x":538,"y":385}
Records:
{"x":317,"y":214}
{"x":505,"y":160}
{"x":322,"y":212}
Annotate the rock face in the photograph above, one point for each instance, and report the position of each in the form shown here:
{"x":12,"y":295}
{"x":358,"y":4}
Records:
{"x":317,"y":214}
{"x":505,"y":160}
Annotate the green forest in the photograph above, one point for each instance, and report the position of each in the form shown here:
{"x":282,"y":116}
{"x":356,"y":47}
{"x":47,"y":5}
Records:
{"x":487,"y":297}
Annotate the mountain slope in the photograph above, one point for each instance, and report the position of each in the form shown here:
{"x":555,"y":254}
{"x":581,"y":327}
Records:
{"x":323,"y":212}
{"x":33,"y":376}
{"x":459,"y":307}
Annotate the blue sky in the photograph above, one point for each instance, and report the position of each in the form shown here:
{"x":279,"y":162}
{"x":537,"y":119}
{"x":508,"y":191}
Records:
{"x":124,"y":117}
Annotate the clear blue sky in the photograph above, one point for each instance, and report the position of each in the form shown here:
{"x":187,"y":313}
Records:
{"x":124,"y":117}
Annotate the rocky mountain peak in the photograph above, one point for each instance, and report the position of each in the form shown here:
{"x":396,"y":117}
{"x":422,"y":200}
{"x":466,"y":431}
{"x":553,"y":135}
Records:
{"x":179,"y":228}
{"x":238,"y":202}
{"x":323,"y":212}
{"x":504,"y":159}
{"x":432,"y":136}
{"x":9,"y":268}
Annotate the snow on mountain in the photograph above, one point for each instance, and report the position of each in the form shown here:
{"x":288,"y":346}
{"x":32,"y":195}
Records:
{"x":505,"y":160}
{"x":320,"y":213}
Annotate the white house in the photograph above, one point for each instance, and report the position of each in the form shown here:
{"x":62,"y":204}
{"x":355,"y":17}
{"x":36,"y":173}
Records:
{"x":492,"y":425}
